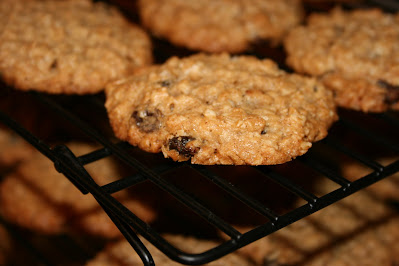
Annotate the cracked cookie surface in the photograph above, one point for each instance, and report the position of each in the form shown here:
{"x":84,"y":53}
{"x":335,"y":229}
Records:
{"x":72,"y":47}
{"x":221,"y":25}
{"x":220,"y":109}
{"x":354,"y":53}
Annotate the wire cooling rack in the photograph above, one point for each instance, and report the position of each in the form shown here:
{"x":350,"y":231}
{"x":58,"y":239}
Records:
{"x":356,"y":137}
{"x":378,"y":131}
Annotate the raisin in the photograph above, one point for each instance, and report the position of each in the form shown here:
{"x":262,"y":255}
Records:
{"x":147,"y":121}
{"x":180,"y":144}
{"x":264,"y":130}
{"x":392,"y":95}
{"x":165,"y":83}
{"x":137,"y":118}
{"x":54,"y":64}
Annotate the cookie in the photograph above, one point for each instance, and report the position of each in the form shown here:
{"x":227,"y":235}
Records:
{"x":220,"y":109}
{"x":13,"y":148}
{"x":222,"y":25}
{"x":358,"y":230}
{"x":37,"y":197}
{"x":354,"y":53}
{"x":20,"y":206}
{"x":97,"y":222}
{"x":387,"y":188}
{"x":121,"y":253}
{"x":71,"y":47}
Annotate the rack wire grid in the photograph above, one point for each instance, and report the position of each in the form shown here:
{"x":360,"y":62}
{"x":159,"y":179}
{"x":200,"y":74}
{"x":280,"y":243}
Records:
{"x":376,"y":132}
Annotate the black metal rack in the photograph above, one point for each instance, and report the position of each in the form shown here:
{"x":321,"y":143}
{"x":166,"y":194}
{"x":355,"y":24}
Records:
{"x":73,"y":167}
{"x":323,"y":160}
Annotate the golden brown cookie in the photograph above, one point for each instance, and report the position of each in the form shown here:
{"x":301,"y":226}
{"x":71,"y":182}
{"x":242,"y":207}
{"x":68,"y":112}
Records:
{"x":23,"y":207}
{"x":13,"y":148}
{"x":39,"y":198}
{"x":218,"y":109}
{"x":221,"y":25}
{"x":354,"y":53}
{"x":72,"y":47}
{"x":121,"y":253}
{"x":358,"y":230}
